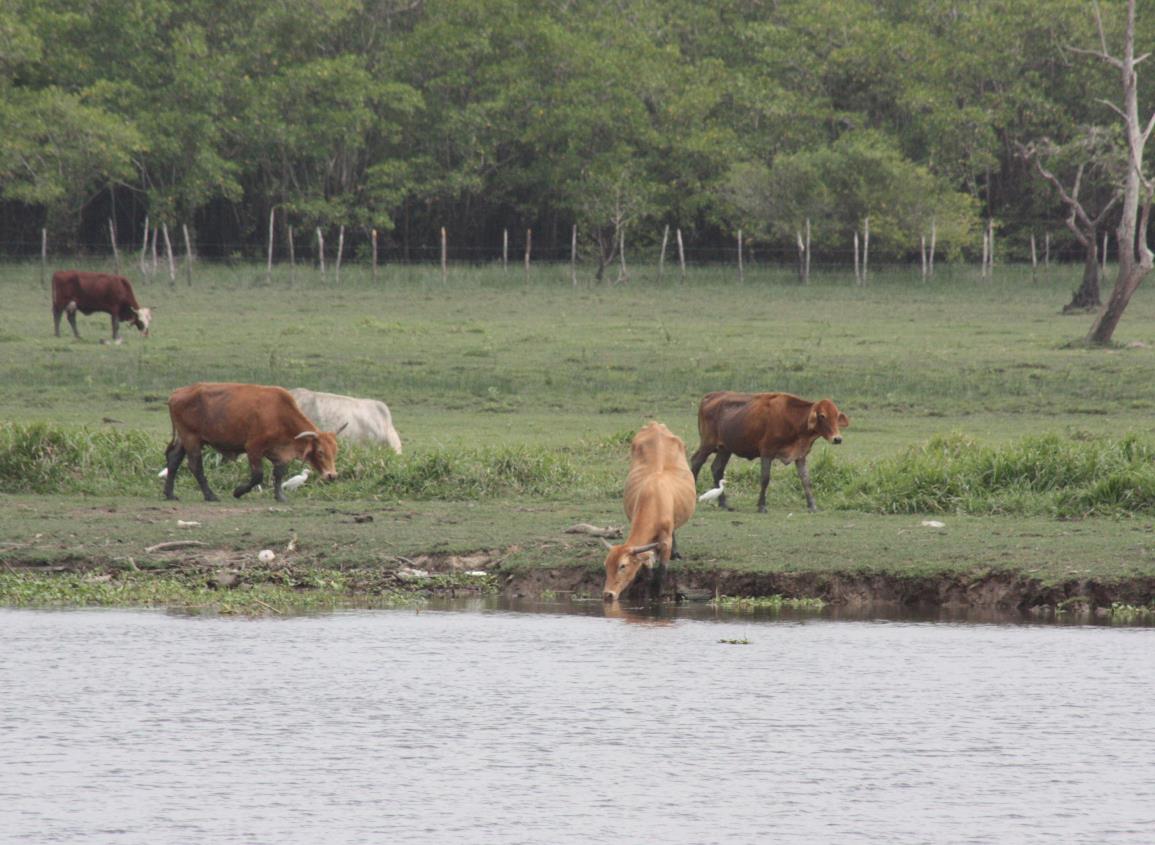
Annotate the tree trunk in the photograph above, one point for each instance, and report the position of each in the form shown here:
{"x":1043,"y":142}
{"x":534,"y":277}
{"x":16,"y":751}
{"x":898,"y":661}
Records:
{"x":1087,"y":297}
{"x":1135,"y":257}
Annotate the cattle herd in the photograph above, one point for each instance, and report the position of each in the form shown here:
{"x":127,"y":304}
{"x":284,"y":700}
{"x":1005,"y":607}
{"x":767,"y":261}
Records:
{"x":279,"y":425}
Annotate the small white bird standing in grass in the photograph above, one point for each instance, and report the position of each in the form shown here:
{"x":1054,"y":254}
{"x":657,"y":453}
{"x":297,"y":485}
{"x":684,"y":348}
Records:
{"x":711,"y":495}
{"x":163,"y":473}
{"x":296,"y":481}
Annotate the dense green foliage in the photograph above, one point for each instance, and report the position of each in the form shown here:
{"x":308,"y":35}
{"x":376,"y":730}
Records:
{"x":484,"y":114}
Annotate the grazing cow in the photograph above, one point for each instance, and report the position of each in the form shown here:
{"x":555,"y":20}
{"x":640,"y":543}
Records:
{"x":368,"y":420}
{"x":263,"y":422}
{"x":659,"y":499}
{"x":764,"y":425}
{"x":76,"y":290}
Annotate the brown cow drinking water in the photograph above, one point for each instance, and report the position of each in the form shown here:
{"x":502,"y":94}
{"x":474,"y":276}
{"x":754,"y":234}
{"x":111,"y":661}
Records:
{"x":262,"y":422}
{"x":770,"y":426}
{"x":76,"y":290}
{"x":659,"y":499}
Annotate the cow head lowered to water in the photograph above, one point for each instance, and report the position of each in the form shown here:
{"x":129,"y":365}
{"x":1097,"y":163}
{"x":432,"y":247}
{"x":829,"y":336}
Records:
{"x":659,"y":498}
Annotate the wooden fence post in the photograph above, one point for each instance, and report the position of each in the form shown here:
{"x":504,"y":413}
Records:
{"x":505,"y":249}
{"x":374,"y":237}
{"x":115,"y":250}
{"x":188,"y":254}
{"x":444,"y":256}
{"x":801,"y":258}
{"x":922,"y":253}
{"x":528,"y":247}
{"x":144,"y":248}
{"x":168,"y":255}
{"x":44,"y":257}
{"x":1034,"y":255}
{"x":865,"y":247}
{"x":741,"y":269}
{"x":1047,"y":250}
{"x":155,"y":235}
{"x":857,"y":272}
{"x":662,"y":254}
{"x":933,"y":241}
{"x":681,"y":255}
{"x":321,"y":251}
{"x":340,"y":250}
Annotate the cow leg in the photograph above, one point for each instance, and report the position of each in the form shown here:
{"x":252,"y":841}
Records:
{"x":765,"y":483}
{"x":699,"y":458}
{"x":71,"y":311}
{"x":718,"y":468}
{"x":279,"y":471}
{"x":674,"y":553}
{"x":256,"y":475}
{"x":173,"y":456}
{"x":115,"y":329}
{"x":56,"y":314}
{"x":804,"y":474}
{"x":196,"y":465}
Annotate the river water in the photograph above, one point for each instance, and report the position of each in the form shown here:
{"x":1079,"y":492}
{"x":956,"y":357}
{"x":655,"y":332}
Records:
{"x":502,"y":727}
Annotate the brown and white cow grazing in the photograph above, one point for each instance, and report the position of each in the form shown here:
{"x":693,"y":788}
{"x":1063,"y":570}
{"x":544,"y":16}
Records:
{"x":659,"y":499}
{"x":263,"y":422}
{"x":77,"y":290}
{"x":770,"y":426}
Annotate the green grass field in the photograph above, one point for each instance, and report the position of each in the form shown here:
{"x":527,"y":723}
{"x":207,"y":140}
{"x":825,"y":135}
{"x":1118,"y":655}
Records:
{"x":970,"y":399}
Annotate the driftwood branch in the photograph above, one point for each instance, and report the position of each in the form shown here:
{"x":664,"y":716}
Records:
{"x":593,"y":530}
{"x":174,"y":544}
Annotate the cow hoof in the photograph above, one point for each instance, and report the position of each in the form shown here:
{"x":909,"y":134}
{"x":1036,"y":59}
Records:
{"x":171,"y":497}
{"x":212,"y":497}
{"x":762,"y":509}
{"x":240,"y":491}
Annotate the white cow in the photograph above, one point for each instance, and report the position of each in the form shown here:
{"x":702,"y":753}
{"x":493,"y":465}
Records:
{"x":369,"y":420}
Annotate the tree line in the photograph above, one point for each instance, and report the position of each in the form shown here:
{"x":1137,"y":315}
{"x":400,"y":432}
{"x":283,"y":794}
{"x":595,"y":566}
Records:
{"x":781,"y":118}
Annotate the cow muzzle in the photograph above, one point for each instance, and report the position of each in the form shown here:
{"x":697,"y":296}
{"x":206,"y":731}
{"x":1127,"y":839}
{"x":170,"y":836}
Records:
{"x":609,"y":597}
{"x":329,"y":476}
{"x":836,"y":440}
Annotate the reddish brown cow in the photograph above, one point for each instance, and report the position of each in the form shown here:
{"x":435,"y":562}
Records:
{"x":263,"y":422}
{"x":764,"y":425}
{"x":76,"y":290}
{"x":659,"y":499}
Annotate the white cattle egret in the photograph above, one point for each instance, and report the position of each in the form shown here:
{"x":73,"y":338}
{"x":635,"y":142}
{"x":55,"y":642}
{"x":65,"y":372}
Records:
{"x":711,"y":495}
{"x":266,"y":555}
{"x":296,"y":481}
{"x":163,"y":473}
{"x":933,"y":523}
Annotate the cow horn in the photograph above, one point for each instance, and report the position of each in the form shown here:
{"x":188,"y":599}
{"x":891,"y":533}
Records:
{"x":649,"y":547}
{"x":312,"y":434}
{"x":606,"y":543}
{"x":344,"y":426}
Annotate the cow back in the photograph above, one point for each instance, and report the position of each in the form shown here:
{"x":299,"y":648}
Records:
{"x":659,"y":474}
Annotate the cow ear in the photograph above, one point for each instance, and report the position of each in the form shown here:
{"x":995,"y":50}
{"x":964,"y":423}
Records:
{"x":843,"y":420}
{"x":813,"y":421}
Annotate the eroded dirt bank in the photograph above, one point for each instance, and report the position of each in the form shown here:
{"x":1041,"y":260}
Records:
{"x":490,"y":571}
{"x":1002,"y":590}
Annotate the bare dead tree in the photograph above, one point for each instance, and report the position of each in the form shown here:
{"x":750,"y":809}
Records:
{"x":1135,"y":256}
{"x":1083,"y":226}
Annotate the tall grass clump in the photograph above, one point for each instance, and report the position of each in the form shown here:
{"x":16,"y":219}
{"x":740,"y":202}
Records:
{"x":43,"y":458}
{"x":460,"y":474}
{"x":1065,"y":477}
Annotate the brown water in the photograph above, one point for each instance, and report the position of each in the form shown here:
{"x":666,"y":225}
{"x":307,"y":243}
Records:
{"x":499,"y":727}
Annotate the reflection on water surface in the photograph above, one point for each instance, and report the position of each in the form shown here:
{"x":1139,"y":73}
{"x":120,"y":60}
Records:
{"x":500,"y":727}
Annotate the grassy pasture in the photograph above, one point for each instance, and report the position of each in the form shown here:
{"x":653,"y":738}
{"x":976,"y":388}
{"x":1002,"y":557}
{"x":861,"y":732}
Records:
{"x":515,"y":402}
